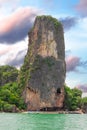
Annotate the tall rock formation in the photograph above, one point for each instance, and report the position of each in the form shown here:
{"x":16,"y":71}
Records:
{"x":43,"y":73}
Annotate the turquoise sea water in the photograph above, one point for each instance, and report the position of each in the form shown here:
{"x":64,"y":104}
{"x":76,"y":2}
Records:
{"x":26,"y":121}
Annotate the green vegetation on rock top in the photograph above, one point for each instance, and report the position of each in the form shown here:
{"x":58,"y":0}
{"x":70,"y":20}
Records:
{"x":50,"y":18}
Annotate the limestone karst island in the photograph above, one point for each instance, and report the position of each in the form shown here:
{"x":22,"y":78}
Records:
{"x":40,"y":83}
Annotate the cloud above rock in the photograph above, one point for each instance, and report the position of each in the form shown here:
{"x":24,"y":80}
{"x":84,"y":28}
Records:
{"x":5,"y":51}
{"x":81,"y":7}
{"x":8,"y":1}
{"x":68,"y":22}
{"x":15,"y":27}
{"x":72,"y":63}
{"x":6,"y":4}
{"x":3,"y":1}
{"x":82,"y":87}
{"x":18,"y":60}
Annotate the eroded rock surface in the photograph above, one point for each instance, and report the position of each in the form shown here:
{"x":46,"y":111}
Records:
{"x":43,"y":72}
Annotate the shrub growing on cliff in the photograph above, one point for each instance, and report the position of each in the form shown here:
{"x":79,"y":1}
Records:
{"x":72,"y":98}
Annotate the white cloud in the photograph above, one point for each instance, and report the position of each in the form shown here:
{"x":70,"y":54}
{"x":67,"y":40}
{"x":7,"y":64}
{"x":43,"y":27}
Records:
{"x":7,"y":7}
{"x":71,"y":82}
{"x":76,"y":38}
{"x":8,"y":1}
{"x":81,"y":7}
{"x":9,"y":52}
{"x":18,"y":23}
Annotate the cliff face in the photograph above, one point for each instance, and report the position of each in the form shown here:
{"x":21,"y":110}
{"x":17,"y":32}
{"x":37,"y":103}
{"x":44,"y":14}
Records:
{"x":43,"y":73}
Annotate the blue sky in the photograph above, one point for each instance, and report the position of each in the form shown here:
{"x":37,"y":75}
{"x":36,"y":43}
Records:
{"x":16,"y":19}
